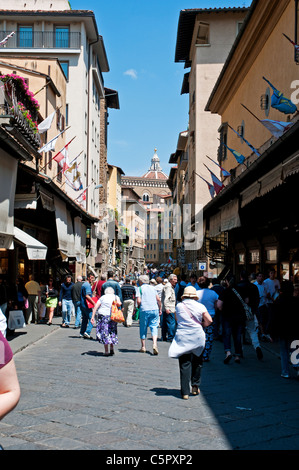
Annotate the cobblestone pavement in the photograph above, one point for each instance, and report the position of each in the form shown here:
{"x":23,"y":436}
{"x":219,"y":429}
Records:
{"x":74,"y":398}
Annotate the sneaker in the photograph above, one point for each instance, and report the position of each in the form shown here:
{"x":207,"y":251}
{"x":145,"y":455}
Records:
{"x":259,"y":353}
{"x":285,"y":376}
{"x":87,"y":336}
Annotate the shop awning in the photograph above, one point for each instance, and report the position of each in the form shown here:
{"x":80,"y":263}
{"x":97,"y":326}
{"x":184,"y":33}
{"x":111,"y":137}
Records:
{"x":35,"y":249}
{"x":65,"y":230}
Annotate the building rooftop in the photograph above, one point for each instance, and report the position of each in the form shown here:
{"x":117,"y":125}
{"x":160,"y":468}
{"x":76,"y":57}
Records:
{"x":186,"y":27}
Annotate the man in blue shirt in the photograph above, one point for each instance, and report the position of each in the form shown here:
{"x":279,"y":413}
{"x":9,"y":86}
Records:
{"x":66,"y":301}
{"x":114,"y":284}
{"x":86,"y":294}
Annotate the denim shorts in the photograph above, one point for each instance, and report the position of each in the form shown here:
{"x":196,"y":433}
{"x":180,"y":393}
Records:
{"x":149,"y":319}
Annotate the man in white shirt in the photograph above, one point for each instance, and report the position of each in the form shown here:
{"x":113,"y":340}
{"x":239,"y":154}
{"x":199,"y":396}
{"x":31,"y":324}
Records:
{"x":168,"y":298}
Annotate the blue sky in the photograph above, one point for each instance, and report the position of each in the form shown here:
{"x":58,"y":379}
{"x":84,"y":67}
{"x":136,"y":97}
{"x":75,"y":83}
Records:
{"x":140,"y":40}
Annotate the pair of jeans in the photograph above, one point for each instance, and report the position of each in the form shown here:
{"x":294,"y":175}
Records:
{"x":67,"y":308}
{"x":168,"y":326}
{"x":190,"y":371}
{"x":78,"y":313}
{"x":234,"y":330}
{"x":86,"y":325}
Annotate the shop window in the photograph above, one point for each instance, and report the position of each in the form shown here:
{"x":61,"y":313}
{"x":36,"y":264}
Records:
{"x":271,"y":255}
{"x":241,"y":258}
{"x":254,"y":256}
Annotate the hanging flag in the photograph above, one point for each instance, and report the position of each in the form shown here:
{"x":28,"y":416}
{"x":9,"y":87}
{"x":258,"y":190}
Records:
{"x":210,"y":186}
{"x":246,"y":141}
{"x":73,"y":177}
{"x":294,"y":44}
{"x":277,"y":128}
{"x":62,"y":158}
{"x":46,"y":124}
{"x":50,"y":146}
{"x":238,"y":156}
{"x":218,"y":185}
{"x":81,"y":199}
{"x":280,"y":102}
{"x":4,"y":41}
{"x":224,"y":172}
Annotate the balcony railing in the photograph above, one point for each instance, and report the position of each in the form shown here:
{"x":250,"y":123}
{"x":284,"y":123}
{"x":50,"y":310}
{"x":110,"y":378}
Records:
{"x":12,"y":116}
{"x":42,"y":40}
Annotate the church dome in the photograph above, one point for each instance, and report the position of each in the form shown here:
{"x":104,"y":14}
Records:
{"x":155,"y":171}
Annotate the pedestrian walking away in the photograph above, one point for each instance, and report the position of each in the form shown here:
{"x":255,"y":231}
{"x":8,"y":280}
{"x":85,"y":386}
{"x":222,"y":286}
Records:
{"x":76,"y":298}
{"x":168,"y":299}
{"x":149,"y":309}
{"x":112,"y":283}
{"x":208,"y":298}
{"x":129,"y":295}
{"x":34,"y":293}
{"x":106,"y":331}
{"x":250,"y":294}
{"x":189,"y":341}
{"x":233,"y":321}
{"x":66,"y":301}
{"x":263,"y":311}
{"x":87,"y":304}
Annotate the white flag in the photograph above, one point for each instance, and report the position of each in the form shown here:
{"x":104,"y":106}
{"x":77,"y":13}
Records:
{"x":277,"y":128}
{"x":50,"y":146}
{"x":4,"y":41}
{"x":45,"y":125}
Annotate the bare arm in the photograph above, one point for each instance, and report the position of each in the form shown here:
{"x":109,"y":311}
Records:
{"x":206,"y":319}
{"x":9,"y":389}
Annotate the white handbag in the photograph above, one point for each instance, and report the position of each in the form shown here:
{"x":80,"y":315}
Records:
{"x":16,"y":320}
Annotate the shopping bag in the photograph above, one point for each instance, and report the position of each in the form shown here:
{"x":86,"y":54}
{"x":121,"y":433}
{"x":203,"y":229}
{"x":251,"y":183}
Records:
{"x":116,"y":313}
{"x":16,"y":320}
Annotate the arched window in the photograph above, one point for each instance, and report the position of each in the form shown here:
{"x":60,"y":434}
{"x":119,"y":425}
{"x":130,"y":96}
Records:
{"x":145,"y":197}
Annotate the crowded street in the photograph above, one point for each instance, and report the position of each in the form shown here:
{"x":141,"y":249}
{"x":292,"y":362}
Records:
{"x":75,"y":398}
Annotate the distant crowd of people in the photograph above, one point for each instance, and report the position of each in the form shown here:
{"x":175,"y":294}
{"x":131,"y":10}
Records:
{"x":191,"y":313}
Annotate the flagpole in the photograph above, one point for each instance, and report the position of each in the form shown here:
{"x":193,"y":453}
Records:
{"x":48,"y":83}
{"x":251,"y":113}
{"x":57,"y":152}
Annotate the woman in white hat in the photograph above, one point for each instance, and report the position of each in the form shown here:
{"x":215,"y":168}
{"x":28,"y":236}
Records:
{"x":189,"y":341}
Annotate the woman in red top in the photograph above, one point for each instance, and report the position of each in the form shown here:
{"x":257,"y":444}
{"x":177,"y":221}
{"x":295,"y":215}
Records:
{"x":9,"y":385}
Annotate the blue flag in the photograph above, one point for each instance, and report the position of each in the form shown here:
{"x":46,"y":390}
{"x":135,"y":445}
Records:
{"x":280,"y":102}
{"x":238,"y":156}
{"x":246,"y":142}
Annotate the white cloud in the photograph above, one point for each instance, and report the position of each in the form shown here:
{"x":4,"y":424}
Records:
{"x":131,"y":73}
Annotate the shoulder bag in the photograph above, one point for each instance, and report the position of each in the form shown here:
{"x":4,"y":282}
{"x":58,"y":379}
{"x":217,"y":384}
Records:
{"x":248,"y":311}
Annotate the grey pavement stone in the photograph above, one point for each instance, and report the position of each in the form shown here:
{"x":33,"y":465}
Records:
{"x":74,"y":398}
